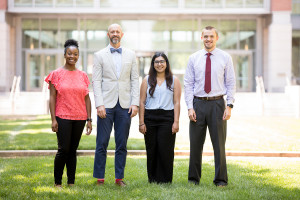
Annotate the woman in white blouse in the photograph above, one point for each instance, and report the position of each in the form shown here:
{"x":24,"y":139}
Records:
{"x":159,"y":118}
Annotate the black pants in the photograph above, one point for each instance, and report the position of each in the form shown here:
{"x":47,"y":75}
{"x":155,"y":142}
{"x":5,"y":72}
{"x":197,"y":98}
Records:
{"x":208,"y":114}
{"x":68,"y":137}
{"x":160,"y":144}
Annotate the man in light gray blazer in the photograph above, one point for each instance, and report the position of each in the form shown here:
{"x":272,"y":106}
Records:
{"x":116,"y":91}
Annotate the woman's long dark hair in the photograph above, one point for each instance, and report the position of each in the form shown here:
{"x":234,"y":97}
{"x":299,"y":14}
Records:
{"x":152,"y":73}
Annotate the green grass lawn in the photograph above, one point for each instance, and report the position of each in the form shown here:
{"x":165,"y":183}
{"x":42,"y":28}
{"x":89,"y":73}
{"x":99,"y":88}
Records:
{"x":244,"y":134}
{"x":249,"y":178}
{"x":37,"y":135}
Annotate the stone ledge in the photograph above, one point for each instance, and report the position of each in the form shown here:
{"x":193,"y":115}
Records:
{"x":24,"y":153}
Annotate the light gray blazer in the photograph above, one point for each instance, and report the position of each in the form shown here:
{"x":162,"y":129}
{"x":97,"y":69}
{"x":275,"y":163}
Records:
{"x":107,"y":87}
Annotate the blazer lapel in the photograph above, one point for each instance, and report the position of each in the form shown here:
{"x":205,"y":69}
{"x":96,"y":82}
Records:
{"x":111,"y":61}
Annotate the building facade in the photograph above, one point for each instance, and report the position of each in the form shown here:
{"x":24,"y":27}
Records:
{"x":262,"y":36}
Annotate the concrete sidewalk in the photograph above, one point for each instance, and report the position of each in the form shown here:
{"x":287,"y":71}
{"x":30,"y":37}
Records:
{"x":24,"y":153}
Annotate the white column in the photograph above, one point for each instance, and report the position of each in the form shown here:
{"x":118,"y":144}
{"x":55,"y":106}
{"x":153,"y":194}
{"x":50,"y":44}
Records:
{"x":279,"y":51}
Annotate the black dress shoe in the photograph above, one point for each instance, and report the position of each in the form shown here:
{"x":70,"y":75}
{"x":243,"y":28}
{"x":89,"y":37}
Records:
{"x":221,"y":184}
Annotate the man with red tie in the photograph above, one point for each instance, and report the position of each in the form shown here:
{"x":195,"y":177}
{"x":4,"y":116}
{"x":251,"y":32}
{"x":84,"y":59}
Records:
{"x":209,"y":77}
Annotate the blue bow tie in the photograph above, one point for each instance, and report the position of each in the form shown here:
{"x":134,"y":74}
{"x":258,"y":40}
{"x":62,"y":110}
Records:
{"x":112,"y":50}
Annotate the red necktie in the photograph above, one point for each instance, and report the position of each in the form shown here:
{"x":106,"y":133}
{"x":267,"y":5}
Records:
{"x":207,"y":85}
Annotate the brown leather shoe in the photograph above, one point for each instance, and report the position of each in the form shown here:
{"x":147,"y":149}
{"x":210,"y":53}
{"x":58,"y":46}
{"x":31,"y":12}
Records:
{"x":100,"y":182}
{"x":121,"y":183}
{"x":58,"y":186}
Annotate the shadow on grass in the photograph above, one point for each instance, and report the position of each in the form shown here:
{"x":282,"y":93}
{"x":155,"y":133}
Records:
{"x":24,"y":178}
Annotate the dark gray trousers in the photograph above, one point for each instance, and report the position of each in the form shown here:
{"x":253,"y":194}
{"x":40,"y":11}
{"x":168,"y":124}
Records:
{"x":208,"y":114}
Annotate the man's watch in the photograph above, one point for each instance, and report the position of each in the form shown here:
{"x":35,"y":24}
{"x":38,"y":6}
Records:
{"x":89,"y":119}
{"x":230,"y":105}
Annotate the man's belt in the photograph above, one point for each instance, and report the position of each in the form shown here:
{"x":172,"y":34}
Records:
{"x":209,"y":98}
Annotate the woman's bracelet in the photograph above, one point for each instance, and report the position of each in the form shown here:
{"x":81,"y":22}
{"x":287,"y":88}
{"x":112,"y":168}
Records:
{"x":141,"y":124}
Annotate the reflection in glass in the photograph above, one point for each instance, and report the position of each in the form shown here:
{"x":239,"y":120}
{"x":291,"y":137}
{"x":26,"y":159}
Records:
{"x":34,"y":71}
{"x":30,"y":33}
{"x":139,"y":3}
{"x":43,"y":3}
{"x":247,"y":34}
{"x":213,"y":3}
{"x":23,"y":3}
{"x":131,"y":33}
{"x":228,"y":35}
{"x":89,"y":64}
{"x":193,"y":4}
{"x":153,"y":37}
{"x":296,"y":57}
{"x":96,"y":33}
{"x":182,"y":34}
{"x":50,"y":63}
{"x":168,"y":3}
{"x":234,"y":4}
{"x":296,"y":7}
{"x":49,"y":33}
{"x":254,"y":3}
{"x":64,"y":3}
{"x":241,"y":63}
{"x":178,"y":61}
{"x":68,"y":30}
{"x":84,"y":3}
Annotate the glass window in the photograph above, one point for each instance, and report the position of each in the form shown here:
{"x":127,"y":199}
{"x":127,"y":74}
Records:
{"x":89,"y":70}
{"x":153,"y":36}
{"x":234,"y":4}
{"x":182,"y":35}
{"x":23,"y":3}
{"x":213,"y":3}
{"x":30,"y":33}
{"x":68,"y":30}
{"x":178,"y":61}
{"x":50,"y":63}
{"x":84,"y":3}
{"x":43,"y":3}
{"x":243,"y":71}
{"x":228,"y":35}
{"x":168,"y":3}
{"x":96,"y":33}
{"x":296,"y":57}
{"x":296,"y":7}
{"x":206,"y":23}
{"x":193,"y":4}
{"x":64,"y":3}
{"x":247,"y":34}
{"x":49,"y":33}
{"x":34,"y":71}
{"x":131,"y":33}
{"x":254,"y":3}
{"x":139,"y":3}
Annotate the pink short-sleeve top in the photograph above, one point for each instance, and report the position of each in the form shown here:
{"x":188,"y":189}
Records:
{"x":71,"y":87}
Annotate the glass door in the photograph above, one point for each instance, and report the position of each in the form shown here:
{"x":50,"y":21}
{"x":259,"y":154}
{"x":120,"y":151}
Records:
{"x":38,"y":66}
{"x":243,"y":67}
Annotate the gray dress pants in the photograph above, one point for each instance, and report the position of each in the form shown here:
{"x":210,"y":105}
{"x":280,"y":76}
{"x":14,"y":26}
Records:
{"x":208,"y":114}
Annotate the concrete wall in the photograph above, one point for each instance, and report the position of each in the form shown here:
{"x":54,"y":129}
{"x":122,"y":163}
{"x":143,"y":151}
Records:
{"x":279,"y":51}
{"x":7,"y":51}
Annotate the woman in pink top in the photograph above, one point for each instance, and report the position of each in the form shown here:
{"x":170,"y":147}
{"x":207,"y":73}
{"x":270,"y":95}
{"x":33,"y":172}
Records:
{"x":70,"y":108}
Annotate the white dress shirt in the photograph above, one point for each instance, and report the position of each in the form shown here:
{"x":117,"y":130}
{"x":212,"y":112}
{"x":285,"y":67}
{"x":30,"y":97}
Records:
{"x":117,"y":58}
{"x":222,"y":76}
